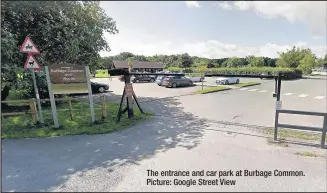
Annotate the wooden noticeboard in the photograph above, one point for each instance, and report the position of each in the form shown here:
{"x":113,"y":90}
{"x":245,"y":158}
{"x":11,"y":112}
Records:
{"x":68,"y":78}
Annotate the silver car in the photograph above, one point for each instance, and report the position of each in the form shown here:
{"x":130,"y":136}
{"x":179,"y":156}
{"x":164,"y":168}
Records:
{"x":227,"y":80}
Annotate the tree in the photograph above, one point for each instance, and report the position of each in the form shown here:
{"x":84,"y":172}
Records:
{"x":255,"y":61}
{"x":233,"y":62}
{"x":291,"y":58}
{"x":321,"y":61}
{"x":64,"y":32}
{"x":307,"y":63}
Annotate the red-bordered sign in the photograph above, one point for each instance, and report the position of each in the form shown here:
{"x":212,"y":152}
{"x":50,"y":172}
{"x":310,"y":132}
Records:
{"x":29,"y":47}
{"x":32,"y":63}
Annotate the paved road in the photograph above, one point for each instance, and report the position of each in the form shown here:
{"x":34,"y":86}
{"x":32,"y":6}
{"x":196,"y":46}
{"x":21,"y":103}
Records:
{"x":309,"y":87}
{"x":246,"y":105}
{"x":118,"y":161}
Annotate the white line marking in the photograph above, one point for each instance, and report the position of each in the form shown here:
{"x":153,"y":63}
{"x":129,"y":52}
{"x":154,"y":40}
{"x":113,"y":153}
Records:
{"x":319,"y":97}
{"x":288,"y":94}
{"x":253,"y":90}
{"x":243,"y":88}
{"x":303,"y":95}
{"x":273,"y":92}
{"x":263,"y":91}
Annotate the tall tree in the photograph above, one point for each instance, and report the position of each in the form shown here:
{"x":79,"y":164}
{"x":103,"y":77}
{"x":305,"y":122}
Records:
{"x":233,"y":62}
{"x":255,"y":61}
{"x":64,"y":31}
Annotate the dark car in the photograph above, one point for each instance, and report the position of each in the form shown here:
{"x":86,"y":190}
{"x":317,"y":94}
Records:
{"x":99,"y":87}
{"x":142,"y":78}
{"x":176,"y":81}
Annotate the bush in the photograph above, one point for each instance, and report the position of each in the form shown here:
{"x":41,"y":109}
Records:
{"x":188,"y":70}
{"x":175,"y":69}
{"x":288,"y":73}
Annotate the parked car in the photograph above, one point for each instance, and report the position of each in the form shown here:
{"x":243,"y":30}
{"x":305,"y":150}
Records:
{"x":142,"y":78}
{"x":196,"y":78}
{"x":176,"y":81}
{"x":227,"y":80}
{"x":99,"y":87}
{"x":160,"y":79}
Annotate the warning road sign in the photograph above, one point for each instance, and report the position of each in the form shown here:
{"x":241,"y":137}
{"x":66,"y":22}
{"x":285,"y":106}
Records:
{"x":32,"y":63}
{"x":29,"y":47}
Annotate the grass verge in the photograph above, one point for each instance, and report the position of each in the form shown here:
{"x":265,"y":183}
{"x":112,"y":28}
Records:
{"x":22,"y":127}
{"x":245,"y":84}
{"x":306,"y":153}
{"x":211,"y":89}
{"x":283,"y":133}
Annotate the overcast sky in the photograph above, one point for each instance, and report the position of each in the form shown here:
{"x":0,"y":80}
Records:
{"x":216,"y":29}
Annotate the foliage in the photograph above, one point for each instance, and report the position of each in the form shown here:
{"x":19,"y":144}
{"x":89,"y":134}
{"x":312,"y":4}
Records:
{"x":255,"y":61}
{"x":233,"y":62}
{"x":64,"y":31}
{"x":288,"y":73}
{"x":302,"y":59}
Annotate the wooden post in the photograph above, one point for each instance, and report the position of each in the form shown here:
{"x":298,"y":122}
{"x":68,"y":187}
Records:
{"x":103,"y":106}
{"x":33,"y":110}
{"x":70,"y":109}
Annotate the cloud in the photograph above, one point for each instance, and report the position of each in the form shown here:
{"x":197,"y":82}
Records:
{"x":132,"y":42}
{"x":224,"y":5}
{"x":192,"y":4}
{"x":312,"y":13}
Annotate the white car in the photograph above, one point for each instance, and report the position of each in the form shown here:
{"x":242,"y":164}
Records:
{"x":195,"y":78}
{"x":227,"y":80}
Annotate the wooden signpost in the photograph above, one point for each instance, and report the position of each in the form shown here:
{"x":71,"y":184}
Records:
{"x":129,"y":95}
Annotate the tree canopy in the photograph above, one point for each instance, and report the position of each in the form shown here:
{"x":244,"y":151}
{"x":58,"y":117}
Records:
{"x":64,"y":32}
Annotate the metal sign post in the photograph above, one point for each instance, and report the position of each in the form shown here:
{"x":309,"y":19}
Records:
{"x":87,"y":71}
{"x":278,"y":103}
{"x":52,"y":100}
{"x":37,"y":96}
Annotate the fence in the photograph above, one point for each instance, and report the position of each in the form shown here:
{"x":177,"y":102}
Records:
{"x":323,"y":130}
{"x":34,"y":113}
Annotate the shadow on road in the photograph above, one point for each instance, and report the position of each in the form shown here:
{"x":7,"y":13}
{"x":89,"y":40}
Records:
{"x":47,"y":164}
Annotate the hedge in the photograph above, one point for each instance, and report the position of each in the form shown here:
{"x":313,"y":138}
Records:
{"x":288,"y":73}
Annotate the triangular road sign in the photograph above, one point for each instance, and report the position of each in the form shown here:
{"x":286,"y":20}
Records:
{"x":29,"y":47}
{"x":32,"y":63}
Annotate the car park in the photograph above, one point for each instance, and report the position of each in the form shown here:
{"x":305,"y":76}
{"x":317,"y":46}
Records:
{"x":176,"y":81}
{"x":142,"y":78}
{"x":227,"y":80}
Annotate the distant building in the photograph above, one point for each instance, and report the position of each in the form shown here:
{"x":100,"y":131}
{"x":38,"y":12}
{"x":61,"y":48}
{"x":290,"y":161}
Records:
{"x":139,"y":66}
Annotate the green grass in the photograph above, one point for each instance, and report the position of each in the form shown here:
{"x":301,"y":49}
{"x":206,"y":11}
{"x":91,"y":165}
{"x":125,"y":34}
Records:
{"x":211,"y":89}
{"x":283,"y":133}
{"x":103,"y":74}
{"x":245,"y":84}
{"x":306,"y":153}
{"x":22,"y":127}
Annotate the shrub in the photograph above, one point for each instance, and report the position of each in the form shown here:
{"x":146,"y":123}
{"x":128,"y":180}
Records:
{"x":175,"y":69}
{"x":187,"y":70}
{"x":288,"y":73}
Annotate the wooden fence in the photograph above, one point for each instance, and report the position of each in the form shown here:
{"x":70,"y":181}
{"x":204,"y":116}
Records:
{"x":34,"y":113}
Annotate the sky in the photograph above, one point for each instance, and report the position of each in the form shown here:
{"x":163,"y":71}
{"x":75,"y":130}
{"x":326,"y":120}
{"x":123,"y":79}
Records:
{"x":216,"y":29}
